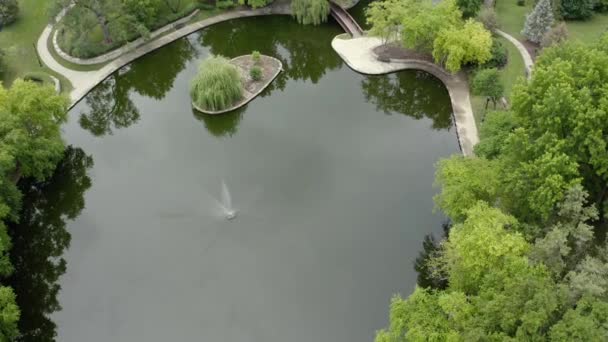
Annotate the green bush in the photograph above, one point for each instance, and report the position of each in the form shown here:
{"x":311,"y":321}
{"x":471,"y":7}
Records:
{"x":310,"y":11}
{"x":487,"y":83}
{"x":577,"y":9}
{"x":9,"y":9}
{"x":557,"y":35}
{"x":521,"y":2}
{"x":601,"y":5}
{"x":217,"y":85}
{"x":499,"y":56}
{"x":225,"y":4}
{"x":256,"y":56}
{"x":256,"y":73}
{"x":255,"y":3}
{"x":488,"y":18}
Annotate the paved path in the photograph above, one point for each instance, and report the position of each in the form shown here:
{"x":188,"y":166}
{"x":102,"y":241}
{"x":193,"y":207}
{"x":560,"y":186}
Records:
{"x":345,"y":20}
{"x":84,"y":81}
{"x":528,"y":61}
{"x":358,"y":54}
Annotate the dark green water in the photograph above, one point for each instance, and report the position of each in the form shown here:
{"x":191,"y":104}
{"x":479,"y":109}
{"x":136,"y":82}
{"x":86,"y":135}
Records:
{"x":331,"y":173}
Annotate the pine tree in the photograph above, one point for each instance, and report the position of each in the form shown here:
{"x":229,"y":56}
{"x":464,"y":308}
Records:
{"x":539,"y":21}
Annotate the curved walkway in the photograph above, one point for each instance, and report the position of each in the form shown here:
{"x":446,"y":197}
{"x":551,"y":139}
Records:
{"x":345,"y":20}
{"x":358,"y":54}
{"x":528,"y":61}
{"x":84,"y":81}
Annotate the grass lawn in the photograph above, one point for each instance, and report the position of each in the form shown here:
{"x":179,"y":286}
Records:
{"x":512,"y":17}
{"x":590,"y":30}
{"x":509,"y":76}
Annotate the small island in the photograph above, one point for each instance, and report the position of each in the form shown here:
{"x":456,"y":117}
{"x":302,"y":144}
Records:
{"x":223,"y":85}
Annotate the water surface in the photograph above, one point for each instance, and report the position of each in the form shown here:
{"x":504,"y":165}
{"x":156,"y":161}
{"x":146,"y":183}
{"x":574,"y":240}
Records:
{"x":331,"y":173}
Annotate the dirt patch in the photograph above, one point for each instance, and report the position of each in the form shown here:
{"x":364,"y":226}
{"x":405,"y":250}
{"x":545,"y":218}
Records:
{"x":533,"y":48}
{"x":390,"y":51}
{"x":269,"y":68}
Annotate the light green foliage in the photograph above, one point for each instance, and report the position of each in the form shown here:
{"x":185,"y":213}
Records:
{"x":385,"y":18}
{"x":470,"y":44}
{"x":587,"y":322}
{"x":256,"y":56}
{"x":469,"y":8}
{"x":423,"y":21}
{"x":481,"y":244}
{"x":255,"y":3}
{"x":9,"y":314}
{"x":312,"y":12}
{"x":217,"y":85}
{"x":256,"y":73}
{"x":590,"y":277}
{"x":464,"y":182}
{"x":30,"y":119}
{"x":539,"y":22}
{"x":493,"y":134}
{"x":9,"y":9}
{"x":487,"y":83}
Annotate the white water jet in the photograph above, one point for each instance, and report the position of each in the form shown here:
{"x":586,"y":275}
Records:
{"x":226,"y":203}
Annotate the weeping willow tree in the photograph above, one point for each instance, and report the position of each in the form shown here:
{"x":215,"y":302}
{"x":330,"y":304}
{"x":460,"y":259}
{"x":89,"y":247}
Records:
{"x":217,"y":84}
{"x":310,"y":11}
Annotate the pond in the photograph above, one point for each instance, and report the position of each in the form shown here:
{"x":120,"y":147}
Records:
{"x":330,"y":172}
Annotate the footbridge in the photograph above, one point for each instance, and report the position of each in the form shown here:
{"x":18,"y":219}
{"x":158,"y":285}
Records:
{"x":348,"y":23}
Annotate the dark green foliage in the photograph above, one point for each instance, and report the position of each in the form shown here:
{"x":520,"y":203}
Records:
{"x":499,"y":57}
{"x":521,"y":2}
{"x":255,"y":3}
{"x":9,"y":9}
{"x":601,"y":5}
{"x":493,"y":134}
{"x":577,"y":9}
{"x":256,"y":73}
{"x":469,"y":8}
{"x":487,"y":83}
{"x":217,"y":84}
{"x":312,"y":12}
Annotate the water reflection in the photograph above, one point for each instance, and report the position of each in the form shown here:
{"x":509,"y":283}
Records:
{"x":305,"y":52}
{"x":413,"y":93}
{"x":40,"y":239}
{"x":221,"y":125}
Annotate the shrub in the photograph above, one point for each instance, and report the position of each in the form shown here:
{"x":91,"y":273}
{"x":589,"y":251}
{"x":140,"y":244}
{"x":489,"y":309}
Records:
{"x":499,"y":56}
{"x":256,"y":56}
{"x":217,"y":85}
{"x":255,"y":3}
{"x":469,"y":8}
{"x":521,"y":2}
{"x":577,"y":9}
{"x":225,"y":4}
{"x":9,"y":9}
{"x":601,"y":6}
{"x":556,"y":35}
{"x":488,"y":18}
{"x":310,"y":11}
{"x":539,"y":21}
{"x":256,"y":73}
{"x":471,"y":44}
{"x":487,"y":83}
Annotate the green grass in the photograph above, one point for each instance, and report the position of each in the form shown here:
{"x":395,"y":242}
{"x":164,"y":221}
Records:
{"x":590,"y":30}
{"x":18,"y":40}
{"x":511,"y":17}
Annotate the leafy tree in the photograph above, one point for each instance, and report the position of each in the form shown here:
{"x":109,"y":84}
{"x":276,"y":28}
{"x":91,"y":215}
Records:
{"x":577,"y":9}
{"x":500,"y":56}
{"x":9,"y":314}
{"x":487,"y":83}
{"x":30,"y":119}
{"x":464,"y":182}
{"x":385,"y":18}
{"x":9,"y":9}
{"x":217,"y":85}
{"x":469,"y":8}
{"x":557,"y":35}
{"x":144,"y":11}
{"x":423,"y":22}
{"x":310,"y":11}
{"x":493,"y":134}
{"x":539,"y":22}
{"x":255,"y":3}
{"x":173,"y":5}
{"x":470,"y":44}
{"x":588,"y":321}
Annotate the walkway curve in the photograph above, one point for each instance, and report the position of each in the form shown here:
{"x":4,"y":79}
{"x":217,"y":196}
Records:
{"x":528,"y":61}
{"x":84,"y":81}
{"x":359,"y":55}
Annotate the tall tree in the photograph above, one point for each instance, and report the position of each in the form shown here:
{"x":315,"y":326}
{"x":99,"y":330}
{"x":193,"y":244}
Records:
{"x":30,"y":119}
{"x":539,"y":22}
